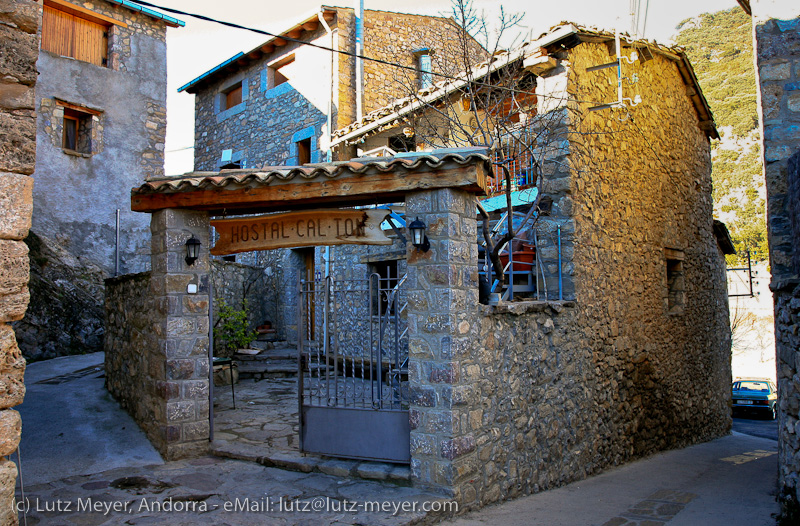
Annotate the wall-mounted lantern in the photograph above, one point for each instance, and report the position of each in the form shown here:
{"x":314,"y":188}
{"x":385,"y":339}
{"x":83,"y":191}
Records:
{"x":418,"y":237}
{"x":192,"y":250}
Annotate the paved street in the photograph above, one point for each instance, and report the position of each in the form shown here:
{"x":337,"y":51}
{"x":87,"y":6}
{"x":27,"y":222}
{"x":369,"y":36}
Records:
{"x":729,"y":481}
{"x":757,"y":427}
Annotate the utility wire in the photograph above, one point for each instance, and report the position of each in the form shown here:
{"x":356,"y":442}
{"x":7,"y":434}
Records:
{"x":342,"y":52}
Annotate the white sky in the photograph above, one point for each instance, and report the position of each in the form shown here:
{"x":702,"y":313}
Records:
{"x":199,"y":46}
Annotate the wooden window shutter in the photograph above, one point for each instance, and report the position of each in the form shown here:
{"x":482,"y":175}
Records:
{"x":72,"y":36}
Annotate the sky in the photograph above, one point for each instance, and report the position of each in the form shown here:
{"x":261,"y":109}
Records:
{"x":199,"y":46}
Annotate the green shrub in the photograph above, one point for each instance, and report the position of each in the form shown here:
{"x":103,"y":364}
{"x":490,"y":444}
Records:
{"x":233,"y":327}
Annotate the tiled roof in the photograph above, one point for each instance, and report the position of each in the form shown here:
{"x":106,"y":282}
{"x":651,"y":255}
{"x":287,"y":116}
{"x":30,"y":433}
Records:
{"x":389,"y":115}
{"x":251,"y":178}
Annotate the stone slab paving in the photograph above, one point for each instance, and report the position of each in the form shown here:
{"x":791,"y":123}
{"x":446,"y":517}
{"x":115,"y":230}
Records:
{"x":218,"y":491}
{"x":264,"y":428}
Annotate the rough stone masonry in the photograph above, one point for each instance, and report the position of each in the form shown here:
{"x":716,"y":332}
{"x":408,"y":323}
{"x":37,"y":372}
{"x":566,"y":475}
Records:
{"x":777,"y":47}
{"x":19,"y":48}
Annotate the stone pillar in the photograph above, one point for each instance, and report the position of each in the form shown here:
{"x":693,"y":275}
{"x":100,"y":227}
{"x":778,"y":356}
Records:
{"x":179,"y":366}
{"x":442,"y":318}
{"x":19,"y":40}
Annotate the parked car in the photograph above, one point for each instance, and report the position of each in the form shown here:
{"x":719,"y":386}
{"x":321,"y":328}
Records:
{"x":755,"y":396}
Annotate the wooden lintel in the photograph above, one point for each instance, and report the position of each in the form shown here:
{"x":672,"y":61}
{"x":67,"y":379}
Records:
{"x":311,"y":26}
{"x":84,"y":13}
{"x":278,"y":41}
{"x":77,"y":107}
{"x":344,"y":190}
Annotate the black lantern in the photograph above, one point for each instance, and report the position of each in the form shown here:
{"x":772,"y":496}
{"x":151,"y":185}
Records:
{"x":192,"y":250}
{"x":418,"y":237}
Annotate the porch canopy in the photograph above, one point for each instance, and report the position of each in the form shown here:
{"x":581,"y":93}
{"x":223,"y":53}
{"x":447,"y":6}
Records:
{"x":363,"y":181}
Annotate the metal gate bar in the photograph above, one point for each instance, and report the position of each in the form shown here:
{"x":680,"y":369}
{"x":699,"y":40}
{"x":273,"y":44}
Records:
{"x":353,"y":342}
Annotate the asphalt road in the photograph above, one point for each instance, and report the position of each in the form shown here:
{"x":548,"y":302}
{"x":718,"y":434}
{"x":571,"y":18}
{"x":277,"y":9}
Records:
{"x":756,"y":426}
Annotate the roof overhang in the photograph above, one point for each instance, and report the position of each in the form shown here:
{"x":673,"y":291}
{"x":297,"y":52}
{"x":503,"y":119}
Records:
{"x":172,"y":22}
{"x":243,"y":59}
{"x":566,"y":35}
{"x":365,"y":181}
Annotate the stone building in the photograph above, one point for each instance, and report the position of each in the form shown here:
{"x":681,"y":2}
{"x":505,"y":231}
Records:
{"x":19,"y":47}
{"x":507,"y":399}
{"x":776,"y":41}
{"x":101,"y":126}
{"x":278,"y":103}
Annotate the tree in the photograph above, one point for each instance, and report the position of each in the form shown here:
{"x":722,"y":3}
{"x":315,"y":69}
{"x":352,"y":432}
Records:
{"x":491,"y":104}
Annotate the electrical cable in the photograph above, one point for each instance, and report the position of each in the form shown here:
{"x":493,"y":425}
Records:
{"x":343,"y":52}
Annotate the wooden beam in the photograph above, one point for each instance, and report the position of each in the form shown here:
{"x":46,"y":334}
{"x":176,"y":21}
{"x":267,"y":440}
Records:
{"x":82,"y":12}
{"x":329,"y":15}
{"x":255,"y":54}
{"x":345,"y":190}
{"x":311,"y":26}
{"x":278,"y":42}
{"x":295,"y":33}
{"x":267,"y":48}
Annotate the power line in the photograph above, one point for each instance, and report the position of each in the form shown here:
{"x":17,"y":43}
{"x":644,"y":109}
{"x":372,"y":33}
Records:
{"x":347,"y":53}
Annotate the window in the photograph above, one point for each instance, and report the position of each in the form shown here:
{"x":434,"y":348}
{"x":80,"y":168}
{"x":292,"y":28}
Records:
{"x":75,"y":32}
{"x":401,"y":143}
{"x":77,"y":131}
{"x":676,"y":285}
{"x":233,"y":96}
{"x":281,"y":71}
{"x":304,"y":151}
{"x":424,"y":66}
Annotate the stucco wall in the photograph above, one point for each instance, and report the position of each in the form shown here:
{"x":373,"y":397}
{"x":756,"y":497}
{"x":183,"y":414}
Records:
{"x":77,"y":197}
{"x":776,"y":27}
{"x":19,"y":47}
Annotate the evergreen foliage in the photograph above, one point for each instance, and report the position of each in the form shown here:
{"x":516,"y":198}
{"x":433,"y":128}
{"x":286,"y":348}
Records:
{"x":720,"y":47}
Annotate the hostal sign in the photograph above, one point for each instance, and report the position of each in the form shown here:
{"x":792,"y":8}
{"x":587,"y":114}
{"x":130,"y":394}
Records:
{"x":297,"y":229}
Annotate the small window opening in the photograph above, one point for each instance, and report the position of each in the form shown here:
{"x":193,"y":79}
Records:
{"x":401,"y":143}
{"x":233,"y":96}
{"x":424,"y":66}
{"x":382,"y":289}
{"x":233,"y":165}
{"x":676,"y":283}
{"x":77,"y":131}
{"x":304,"y":151}
{"x":282,"y":71}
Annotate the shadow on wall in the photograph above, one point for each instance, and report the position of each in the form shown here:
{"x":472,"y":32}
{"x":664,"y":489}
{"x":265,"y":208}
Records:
{"x":65,"y":314}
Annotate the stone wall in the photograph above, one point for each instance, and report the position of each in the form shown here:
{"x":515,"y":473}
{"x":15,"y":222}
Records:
{"x":157,"y":362}
{"x":776,"y":28}
{"x":19,"y":47}
{"x":235,"y":282}
{"x":130,"y":344}
{"x":527,"y":396}
{"x":263,"y":129}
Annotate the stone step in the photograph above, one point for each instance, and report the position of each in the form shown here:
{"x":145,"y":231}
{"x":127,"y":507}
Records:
{"x":295,"y":461}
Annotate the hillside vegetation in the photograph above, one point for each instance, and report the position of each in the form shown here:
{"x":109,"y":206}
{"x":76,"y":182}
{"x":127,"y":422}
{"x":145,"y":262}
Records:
{"x":720,"y":48}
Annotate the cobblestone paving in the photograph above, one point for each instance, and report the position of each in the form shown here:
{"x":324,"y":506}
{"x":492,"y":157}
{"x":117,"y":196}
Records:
{"x":219,"y":492}
{"x":264,"y":428}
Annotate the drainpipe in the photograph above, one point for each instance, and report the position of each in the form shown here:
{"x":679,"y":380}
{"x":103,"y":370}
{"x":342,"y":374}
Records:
{"x":329,"y":31}
{"x":359,"y":62}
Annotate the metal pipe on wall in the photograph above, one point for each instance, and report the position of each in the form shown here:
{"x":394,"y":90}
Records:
{"x":116,"y":248}
{"x":359,"y":61}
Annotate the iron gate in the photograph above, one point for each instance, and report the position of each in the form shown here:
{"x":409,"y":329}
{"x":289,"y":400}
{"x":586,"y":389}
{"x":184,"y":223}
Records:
{"x":353,"y":368}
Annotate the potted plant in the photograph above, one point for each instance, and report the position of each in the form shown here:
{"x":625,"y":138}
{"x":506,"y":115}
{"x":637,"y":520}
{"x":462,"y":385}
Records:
{"x":233,"y":329}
